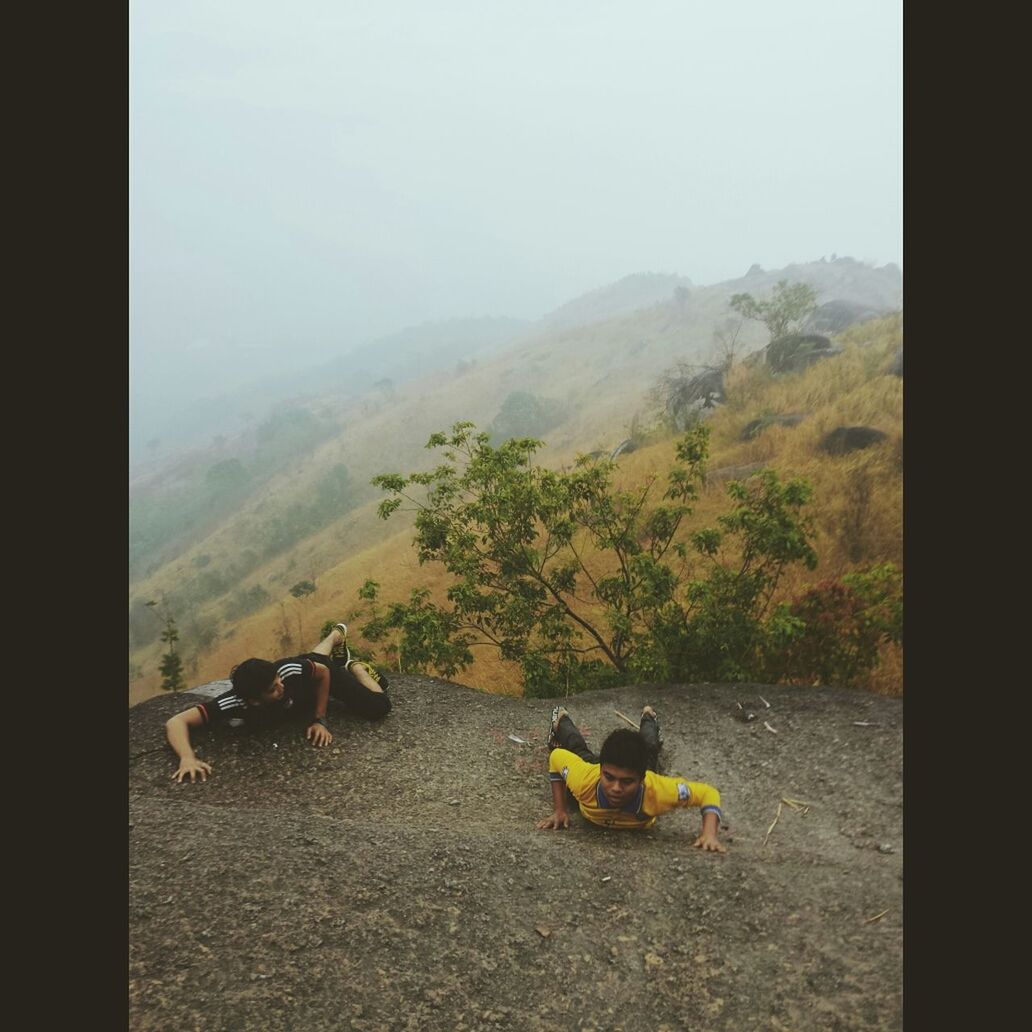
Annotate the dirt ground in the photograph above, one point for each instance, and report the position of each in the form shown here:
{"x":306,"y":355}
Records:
{"x":395,"y":881}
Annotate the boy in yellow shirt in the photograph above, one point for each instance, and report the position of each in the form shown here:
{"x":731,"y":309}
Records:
{"x":620,"y":787}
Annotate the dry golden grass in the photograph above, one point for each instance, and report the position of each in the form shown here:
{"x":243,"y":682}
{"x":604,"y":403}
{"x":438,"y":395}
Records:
{"x":856,"y":508}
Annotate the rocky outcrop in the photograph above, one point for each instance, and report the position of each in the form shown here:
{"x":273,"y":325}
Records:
{"x":835,"y":316}
{"x":756,"y":426}
{"x":625,"y":447}
{"x":845,"y":439}
{"x":394,"y":880}
{"x":798,"y":351}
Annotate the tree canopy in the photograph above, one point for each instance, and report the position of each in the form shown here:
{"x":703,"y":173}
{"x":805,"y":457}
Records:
{"x":583,"y":583}
{"x":783,"y":312}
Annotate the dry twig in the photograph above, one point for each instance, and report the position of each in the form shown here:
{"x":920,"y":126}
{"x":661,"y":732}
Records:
{"x":777,"y":817}
{"x":623,"y":716}
{"x":769,"y":728}
{"x":877,"y":917}
{"x":797,"y":804}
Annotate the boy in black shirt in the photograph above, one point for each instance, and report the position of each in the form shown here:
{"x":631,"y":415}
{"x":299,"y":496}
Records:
{"x":264,"y":694}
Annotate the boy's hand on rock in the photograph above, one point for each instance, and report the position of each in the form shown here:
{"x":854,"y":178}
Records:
{"x":556,"y":822}
{"x":318,"y":735}
{"x":193,"y":768}
{"x":710,"y":843}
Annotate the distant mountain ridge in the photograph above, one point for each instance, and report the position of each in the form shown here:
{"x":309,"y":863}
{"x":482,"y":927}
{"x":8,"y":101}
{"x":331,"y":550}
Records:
{"x":417,"y":350}
{"x":639,"y":290}
{"x":598,"y":373}
{"x":424,"y":349}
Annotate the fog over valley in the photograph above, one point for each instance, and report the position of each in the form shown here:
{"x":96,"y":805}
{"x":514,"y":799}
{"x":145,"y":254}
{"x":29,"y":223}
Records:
{"x":330,"y":196}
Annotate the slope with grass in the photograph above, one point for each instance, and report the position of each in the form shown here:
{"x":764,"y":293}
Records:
{"x":602,"y":374}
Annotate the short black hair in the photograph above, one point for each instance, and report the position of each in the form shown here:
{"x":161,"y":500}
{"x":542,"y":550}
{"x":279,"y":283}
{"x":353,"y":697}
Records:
{"x":252,"y":677}
{"x":625,"y":748}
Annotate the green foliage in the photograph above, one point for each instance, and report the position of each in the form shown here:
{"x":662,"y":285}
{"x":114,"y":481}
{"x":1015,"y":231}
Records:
{"x":514,"y":536}
{"x":524,"y":414}
{"x":722,"y":634}
{"x":831,"y":633}
{"x":783,"y":312}
{"x":303,"y":589}
{"x":429,"y":638}
{"x":880,"y":590}
{"x":163,"y":520}
{"x":285,"y":435}
{"x":246,"y":601}
{"x":331,"y":496}
{"x":171,"y":662}
{"x":412,"y":631}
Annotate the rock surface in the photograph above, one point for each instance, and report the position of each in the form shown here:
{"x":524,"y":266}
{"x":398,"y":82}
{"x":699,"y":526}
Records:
{"x":845,"y":439}
{"x":837,"y":315}
{"x":394,"y":880}
{"x":756,"y":426}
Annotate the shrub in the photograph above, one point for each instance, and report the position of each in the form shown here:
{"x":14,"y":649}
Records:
{"x":832,"y":633}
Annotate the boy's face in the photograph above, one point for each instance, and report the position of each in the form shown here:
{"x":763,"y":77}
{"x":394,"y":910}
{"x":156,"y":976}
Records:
{"x":619,"y":784}
{"x":271,"y":694}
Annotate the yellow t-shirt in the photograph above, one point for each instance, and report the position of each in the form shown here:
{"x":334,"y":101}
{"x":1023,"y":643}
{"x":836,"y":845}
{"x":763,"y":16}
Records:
{"x":657,"y":794}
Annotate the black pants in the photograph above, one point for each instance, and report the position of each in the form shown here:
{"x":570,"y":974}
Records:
{"x":570,"y":738}
{"x":351,"y":693}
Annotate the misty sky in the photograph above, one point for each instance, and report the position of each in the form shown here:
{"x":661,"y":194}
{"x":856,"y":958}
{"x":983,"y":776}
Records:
{"x":306,"y":176}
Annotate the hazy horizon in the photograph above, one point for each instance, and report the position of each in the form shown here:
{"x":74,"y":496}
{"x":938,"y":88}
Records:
{"x":304,"y":181}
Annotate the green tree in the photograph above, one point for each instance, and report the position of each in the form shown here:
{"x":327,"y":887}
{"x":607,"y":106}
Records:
{"x":832,"y":632}
{"x":516,"y":537}
{"x":783,"y":312}
{"x":303,"y":589}
{"x":171,"y":662}
{"x":524,"y":414}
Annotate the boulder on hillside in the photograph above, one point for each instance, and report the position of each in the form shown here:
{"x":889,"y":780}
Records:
{"x":690,"y":398}
{"x":708,"y":387}
{"x":845,"y":439}
{"x":625,"y":447}
{"x":796,"y":351}
{"x":756,"y":426}
{"x":835,"y":316}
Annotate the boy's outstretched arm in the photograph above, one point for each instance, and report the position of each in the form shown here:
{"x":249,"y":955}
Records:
{"x":318,"y":733}
{"x":177,"y":730}
{"x":708,"y":836}
{"x":560,"y":818}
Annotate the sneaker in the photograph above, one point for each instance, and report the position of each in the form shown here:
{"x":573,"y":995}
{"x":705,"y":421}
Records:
{"x":340,"y":651}
{"x":553,"y":741}
{"x":650,"y":712}
{"x":371,"y":671}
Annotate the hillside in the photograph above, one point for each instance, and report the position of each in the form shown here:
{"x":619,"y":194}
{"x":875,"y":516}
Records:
{"x":600,"y":374}
{"x":395,"y":880}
